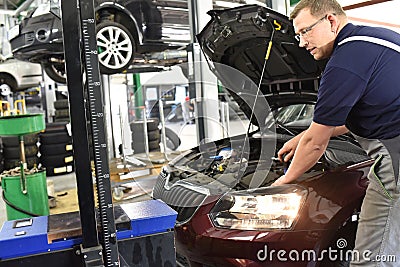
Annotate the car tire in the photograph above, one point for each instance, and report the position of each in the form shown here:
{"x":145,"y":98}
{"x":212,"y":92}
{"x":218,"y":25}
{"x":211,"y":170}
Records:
{"x":13,"y":152}
{"x":56,"y":72}
{"x":107,"y":62}
{"x":172,"y":139}
{"x":137,"y":126}
{"x":140,"y":147}
{"x":60,"y":120}
{"x":59,"y":170}
{"x":55,"y":138}
{"x":151,"y":135}
{"x":7,"y":82}
{"x":57,"y":160}
{"x":55,"y":149}
{"x":56,"y":127}
{"x":61,"y":104}
{"x":62,"y":113}
{"x":1,"y":163}
{"x":12,"y":141}
{"x":12,"y":163}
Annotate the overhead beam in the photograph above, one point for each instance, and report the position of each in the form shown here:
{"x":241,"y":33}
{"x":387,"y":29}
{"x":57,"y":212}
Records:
{"x":364,"y":4}
{"x":375,"y":22}
{"x":7,"y":12}
{"x":22,"y":7}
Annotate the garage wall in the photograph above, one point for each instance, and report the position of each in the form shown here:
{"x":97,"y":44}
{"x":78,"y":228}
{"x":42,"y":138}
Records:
{"x":383,"y":15}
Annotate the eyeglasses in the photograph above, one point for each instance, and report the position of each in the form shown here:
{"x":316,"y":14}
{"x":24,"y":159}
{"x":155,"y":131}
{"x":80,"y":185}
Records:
{"x":305,"y":31}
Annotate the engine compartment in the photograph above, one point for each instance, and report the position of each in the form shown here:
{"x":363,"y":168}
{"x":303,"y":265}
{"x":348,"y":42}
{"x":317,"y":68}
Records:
{"x":224,"y":166}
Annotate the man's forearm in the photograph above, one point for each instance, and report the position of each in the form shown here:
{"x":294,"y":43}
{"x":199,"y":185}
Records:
{"x":306,"y":156}
{"x":310,"y":149}
{"x":339,"y":130}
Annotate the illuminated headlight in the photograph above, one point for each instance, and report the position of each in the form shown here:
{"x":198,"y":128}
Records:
{"x":259,"y":209}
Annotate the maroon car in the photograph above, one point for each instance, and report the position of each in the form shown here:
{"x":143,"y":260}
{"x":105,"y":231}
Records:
{"x":228,"y":214}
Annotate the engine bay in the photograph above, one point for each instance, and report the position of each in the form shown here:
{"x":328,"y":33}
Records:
{"x":225,"y":166}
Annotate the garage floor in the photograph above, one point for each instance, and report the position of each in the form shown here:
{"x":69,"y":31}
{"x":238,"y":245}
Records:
{"x":137,"y":189}
{"x":66,"y":194}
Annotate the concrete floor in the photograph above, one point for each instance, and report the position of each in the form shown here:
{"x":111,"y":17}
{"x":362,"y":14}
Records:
{"x":141,"y":188}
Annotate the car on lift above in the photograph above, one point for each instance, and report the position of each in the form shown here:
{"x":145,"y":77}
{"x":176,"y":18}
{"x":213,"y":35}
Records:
{"x":17,"y":75}
{"x":125,"y":30}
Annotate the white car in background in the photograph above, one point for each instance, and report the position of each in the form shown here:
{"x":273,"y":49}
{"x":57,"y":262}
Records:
{"x":17,"y":75}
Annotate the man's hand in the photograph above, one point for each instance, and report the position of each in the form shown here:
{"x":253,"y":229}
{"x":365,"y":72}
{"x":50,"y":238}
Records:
{"x":288,"y":149}
{"x":280,"y":181}
{"x":306,"y":148}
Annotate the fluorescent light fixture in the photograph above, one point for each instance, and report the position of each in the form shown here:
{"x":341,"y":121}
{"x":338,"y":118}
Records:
{"x":255,"y":2}
{"x":7,"y":12}
{"x":226,"y":4}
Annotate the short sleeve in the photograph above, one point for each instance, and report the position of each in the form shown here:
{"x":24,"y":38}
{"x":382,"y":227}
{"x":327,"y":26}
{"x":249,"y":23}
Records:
{"x":339,"y":90}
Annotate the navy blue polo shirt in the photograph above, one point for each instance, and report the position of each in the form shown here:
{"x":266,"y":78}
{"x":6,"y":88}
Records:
{"x":360,"y":86}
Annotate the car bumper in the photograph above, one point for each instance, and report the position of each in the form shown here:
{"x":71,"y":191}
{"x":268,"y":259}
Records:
{"x":33,"y":51}
{"x":38,"y":41}
{"x":201,"y":242}
{"x":30,"y":81}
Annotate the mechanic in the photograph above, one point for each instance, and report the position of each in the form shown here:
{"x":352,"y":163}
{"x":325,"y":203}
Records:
{"x":359,"y":91}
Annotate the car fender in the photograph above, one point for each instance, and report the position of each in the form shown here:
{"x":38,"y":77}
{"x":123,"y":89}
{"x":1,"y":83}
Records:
{"x":120,"y":8}
{"x":13,"y":73}
{"x":25,"y":74}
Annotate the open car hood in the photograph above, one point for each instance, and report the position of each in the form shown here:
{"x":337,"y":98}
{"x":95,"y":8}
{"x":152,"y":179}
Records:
{"x":239,"y":37}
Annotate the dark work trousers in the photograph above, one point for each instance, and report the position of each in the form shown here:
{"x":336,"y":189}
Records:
{"x":378,"y":234}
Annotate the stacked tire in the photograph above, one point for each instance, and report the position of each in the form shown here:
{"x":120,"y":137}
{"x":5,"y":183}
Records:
{"x":1,"y":158}
{"x":62,"y":110}
{"x":56,"y":153}
{"x":11,"y":151}
{"x":153,"y":109}
{"x":172,"y":139}
{"x":138,"y":136}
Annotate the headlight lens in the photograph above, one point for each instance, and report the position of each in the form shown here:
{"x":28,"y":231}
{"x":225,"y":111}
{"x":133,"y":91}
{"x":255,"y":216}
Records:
{"x":259,"y":209}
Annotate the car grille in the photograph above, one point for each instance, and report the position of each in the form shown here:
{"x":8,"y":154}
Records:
{"x":184,"y":199}
{"x":29,"y":38}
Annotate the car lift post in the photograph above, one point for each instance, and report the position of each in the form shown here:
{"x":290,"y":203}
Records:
{"x":202,"y":83}
{"x":79,"y":35}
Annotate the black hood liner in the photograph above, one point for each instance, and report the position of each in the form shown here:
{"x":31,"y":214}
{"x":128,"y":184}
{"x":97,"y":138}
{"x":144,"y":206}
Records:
{"x":239,"y":37}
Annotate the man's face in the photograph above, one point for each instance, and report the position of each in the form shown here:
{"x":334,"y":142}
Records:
{"x":316,"y":34}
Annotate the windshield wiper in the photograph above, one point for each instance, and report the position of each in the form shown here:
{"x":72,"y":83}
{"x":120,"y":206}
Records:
{"x":282,"y":126}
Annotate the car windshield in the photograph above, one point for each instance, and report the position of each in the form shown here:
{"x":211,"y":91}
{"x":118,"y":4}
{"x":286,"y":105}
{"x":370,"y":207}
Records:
{"x":295,"y":115}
